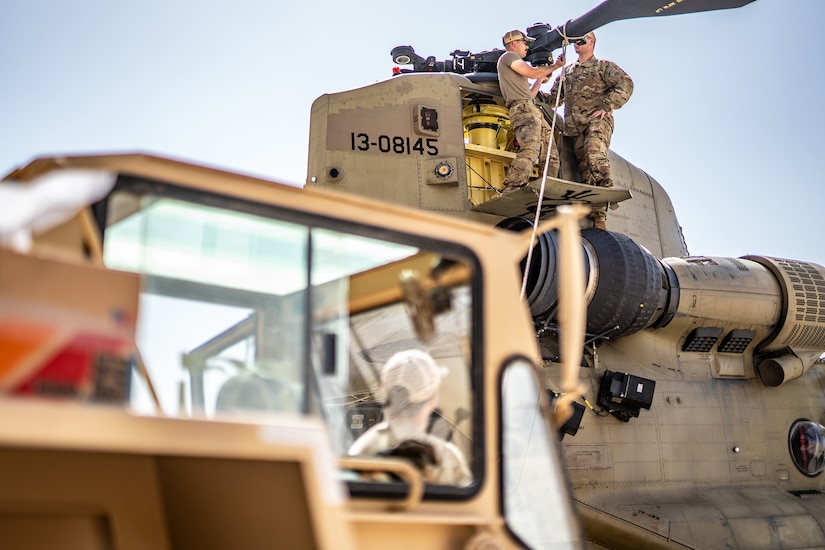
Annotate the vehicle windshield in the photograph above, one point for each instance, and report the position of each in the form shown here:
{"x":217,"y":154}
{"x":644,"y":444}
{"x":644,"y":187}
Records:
{"x":253,"y":309}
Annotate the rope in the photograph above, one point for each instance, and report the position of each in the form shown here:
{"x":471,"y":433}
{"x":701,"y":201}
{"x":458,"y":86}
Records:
{"x":567,"y":39}
{"x":565,"y":43}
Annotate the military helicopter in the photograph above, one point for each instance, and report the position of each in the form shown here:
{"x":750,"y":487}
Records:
{"x":701,"y":420}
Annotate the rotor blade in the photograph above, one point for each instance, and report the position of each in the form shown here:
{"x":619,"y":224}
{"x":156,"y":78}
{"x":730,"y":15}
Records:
{"x":617,"y":10}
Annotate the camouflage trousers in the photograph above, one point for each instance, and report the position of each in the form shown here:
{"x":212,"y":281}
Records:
{"x":591,"y":147}
{"x":532,"y":132}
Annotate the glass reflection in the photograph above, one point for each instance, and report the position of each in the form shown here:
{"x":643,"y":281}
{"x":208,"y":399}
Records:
{"x":806,"y":441}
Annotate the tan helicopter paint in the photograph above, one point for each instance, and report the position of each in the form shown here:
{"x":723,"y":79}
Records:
{"x":386,"y":111}
{"x":708,"y":466}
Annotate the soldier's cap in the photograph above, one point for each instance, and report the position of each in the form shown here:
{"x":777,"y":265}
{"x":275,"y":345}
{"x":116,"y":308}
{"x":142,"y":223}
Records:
{"x":510,"y":36}
{"x":415,"y":371}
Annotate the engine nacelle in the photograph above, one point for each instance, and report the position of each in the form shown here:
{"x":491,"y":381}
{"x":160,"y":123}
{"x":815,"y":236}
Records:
{"x":772,"y":308}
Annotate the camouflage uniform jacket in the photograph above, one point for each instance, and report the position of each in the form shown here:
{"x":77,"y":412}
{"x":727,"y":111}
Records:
{"x":589,"y":86}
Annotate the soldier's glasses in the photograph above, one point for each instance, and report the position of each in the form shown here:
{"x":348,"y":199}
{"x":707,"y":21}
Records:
{"x":580,"y":42}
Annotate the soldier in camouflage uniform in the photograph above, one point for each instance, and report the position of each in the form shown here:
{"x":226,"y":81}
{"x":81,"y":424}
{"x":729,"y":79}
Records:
{"x":593,"y":88}
{"x":529,"y":126}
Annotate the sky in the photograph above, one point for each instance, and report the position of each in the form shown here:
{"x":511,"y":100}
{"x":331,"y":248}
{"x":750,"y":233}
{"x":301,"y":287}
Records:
{"x":727,"y":112}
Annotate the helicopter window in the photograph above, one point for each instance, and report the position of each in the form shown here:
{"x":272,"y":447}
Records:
{"x":806,"y":442}
{"x":257,"y":312}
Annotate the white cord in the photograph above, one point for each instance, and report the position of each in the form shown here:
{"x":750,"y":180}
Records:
{"x":565,"y":43}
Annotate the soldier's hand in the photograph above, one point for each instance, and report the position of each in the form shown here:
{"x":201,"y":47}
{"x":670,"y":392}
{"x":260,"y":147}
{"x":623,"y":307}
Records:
{"x":559,"y":61}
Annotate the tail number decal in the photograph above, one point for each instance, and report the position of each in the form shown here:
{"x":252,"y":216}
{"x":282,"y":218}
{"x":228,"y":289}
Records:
{"x":398,"y":145}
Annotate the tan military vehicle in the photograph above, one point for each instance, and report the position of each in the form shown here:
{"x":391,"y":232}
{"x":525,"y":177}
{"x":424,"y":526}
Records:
{"x":701,"y":420}
{"x":186,"y":356}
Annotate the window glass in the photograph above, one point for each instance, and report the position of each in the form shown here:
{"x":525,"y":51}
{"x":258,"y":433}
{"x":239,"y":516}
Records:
{"x":806,"y":442}
{"x":536,"y":500}
{"x":246,"y":313}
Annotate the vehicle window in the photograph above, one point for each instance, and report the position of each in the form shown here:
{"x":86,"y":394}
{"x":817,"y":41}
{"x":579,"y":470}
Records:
{"x":536,"y":498}
{"x":247,"y":311}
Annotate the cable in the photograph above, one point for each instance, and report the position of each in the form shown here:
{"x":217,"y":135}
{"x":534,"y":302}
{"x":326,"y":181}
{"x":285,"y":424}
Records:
{"x":565,"y":43}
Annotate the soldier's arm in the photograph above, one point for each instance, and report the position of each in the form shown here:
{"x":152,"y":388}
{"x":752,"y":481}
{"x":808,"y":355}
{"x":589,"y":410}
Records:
{"x":536,"y":86}
{"x":525,"y":69}
{"x":621,"y":86}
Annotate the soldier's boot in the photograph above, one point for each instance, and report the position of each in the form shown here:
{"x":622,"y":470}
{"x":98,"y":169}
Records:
{"x":512,"y":188}
{"x":600,"y":180}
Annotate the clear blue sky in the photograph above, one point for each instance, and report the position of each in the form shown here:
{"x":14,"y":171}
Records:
{"x":727,"y":111}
